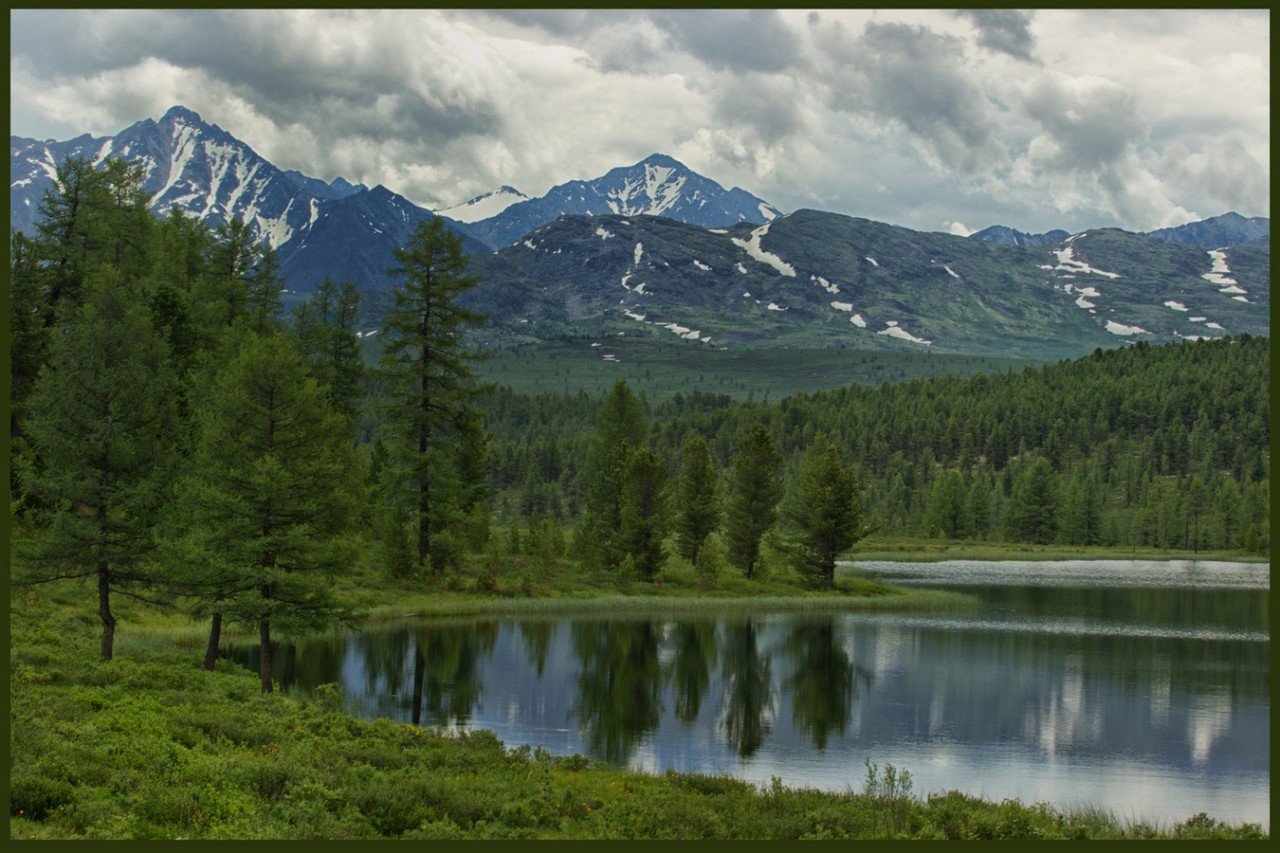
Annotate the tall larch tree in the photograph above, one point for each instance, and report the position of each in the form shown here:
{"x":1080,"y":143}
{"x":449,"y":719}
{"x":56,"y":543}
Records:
{"x":270,"y":489}
{"x":620,"y":433}
{"x":696,"y":498}
{"x":432,"y":386}
{"x":824,"y":512}
{"x":104,"y":430}
{"x":754,"y":491}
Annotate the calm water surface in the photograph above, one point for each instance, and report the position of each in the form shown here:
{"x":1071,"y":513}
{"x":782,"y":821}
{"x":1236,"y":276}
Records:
{"x":1139,"y":686}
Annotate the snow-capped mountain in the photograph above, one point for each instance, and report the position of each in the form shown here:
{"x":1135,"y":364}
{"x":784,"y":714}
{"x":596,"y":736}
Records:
{"x":656,"y":186}
{"x":209,"y":174}
{"x":486,"y":205}
{"x":189,"y":164}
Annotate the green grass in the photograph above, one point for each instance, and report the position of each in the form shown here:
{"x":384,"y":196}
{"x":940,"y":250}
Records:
{"x":660,"y":368}
{"x":149,"y":745}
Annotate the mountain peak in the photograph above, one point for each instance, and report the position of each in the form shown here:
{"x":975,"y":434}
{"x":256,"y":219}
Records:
{"x":663,"y":160}
{"x":182,"y":115}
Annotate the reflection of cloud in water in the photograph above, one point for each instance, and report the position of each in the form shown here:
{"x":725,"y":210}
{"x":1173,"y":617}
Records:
{"x":1209,"y":718}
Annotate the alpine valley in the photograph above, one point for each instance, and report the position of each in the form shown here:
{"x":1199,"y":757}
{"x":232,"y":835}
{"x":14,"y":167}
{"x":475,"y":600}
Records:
{"x":656,"y":250}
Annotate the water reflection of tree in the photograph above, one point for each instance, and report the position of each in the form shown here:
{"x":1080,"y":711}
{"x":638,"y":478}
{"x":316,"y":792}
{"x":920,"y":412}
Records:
{"x":537,"y":640}
{"x":823,"y":680}
{"x":748,"y":701}
{"x":619,"y":685}
{"x":446,"y":671}
{"x":384,"y":654}
{"x":695,"y":652}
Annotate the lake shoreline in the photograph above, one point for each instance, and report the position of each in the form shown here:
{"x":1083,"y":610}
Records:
{"x":289,"y":765}
{"x":932,"y":551}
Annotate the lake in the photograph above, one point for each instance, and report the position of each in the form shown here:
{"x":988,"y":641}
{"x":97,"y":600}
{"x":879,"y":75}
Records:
{"x":1141,"y":687}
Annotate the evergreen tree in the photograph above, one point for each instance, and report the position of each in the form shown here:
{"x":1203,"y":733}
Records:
{"x":824,"y":511}
{"x":1082,"y":511}
{"x":1032,"y":512}
{"x":754,"y":493}
{"x":325,"y":328}
{"x":641,"y":523}
{"x":263,"y":297}
{"x":432,"y":387}
{"x":945,"y":508}
{"x":978,"y":508}
{"x":270,"y":487}
{"x":696,"y":498}
{"x":620,"y":432}
{"x":104,"y":431}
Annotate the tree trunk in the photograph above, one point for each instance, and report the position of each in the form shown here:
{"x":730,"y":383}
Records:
{"x":104,"y":610}
{"x":264,"y":654}
{"x":215,"y":635}
{"x":419,"y":670}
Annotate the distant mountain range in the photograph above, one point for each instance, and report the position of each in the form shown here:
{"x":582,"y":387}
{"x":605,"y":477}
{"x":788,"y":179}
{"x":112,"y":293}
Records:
{"x":209,"y":174}
{"x":656,"y":186}
{"x":657,"y":249}
{"x":813,"y":278}
{"x":1217,"y":232}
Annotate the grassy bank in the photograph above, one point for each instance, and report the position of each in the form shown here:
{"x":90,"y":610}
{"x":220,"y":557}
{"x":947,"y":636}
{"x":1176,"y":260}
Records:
{"x":934,"y":550}
{"x":152,"y":746}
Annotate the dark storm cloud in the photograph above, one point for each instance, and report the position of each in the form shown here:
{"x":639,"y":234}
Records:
{"x":278,"y":69}
{"x":740,"y":40}
{"x":767,"y":104}
{"x":1003,"y":30}
{"x":917,"y":77}
{"x":1091,"y":124}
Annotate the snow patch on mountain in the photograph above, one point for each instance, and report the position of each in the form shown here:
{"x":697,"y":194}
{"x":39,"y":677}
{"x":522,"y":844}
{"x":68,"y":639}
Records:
{"x":1067,"y":261}
{"x":893,"y":330}
{"x":857,"y":320}
{"x":752,"y":248}
{"x":1120,"y":329}
{"x":824,"y":284}
{"x":484,"y":206}
{"x":1176,"y":306}
{"x":700,"y":265}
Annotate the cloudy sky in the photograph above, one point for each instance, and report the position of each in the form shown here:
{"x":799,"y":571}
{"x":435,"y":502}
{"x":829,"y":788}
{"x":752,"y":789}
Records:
{"x":933,"y":120}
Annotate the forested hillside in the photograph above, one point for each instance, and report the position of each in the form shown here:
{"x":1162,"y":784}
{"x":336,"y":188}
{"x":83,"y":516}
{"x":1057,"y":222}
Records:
{"x":1164,"y":446}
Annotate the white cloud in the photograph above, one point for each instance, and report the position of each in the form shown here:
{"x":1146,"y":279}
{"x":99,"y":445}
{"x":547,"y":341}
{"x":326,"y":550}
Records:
{"x":1058,"y":118}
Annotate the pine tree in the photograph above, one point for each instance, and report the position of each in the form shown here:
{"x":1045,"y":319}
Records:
{"x":1032,"y":512}
{"x":270,"y":488}
{"x":978,"y":509}
{"x":264,"y":284}
{"x":696,"y":497}
{"x":824,"y":512}
{"x":620,"y":432}
{"x":104,"y":432}
{"x":753,"y":498}
{"x":432,"y":387}
{"x":641,"y":522}
{"x":945,"y":508}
